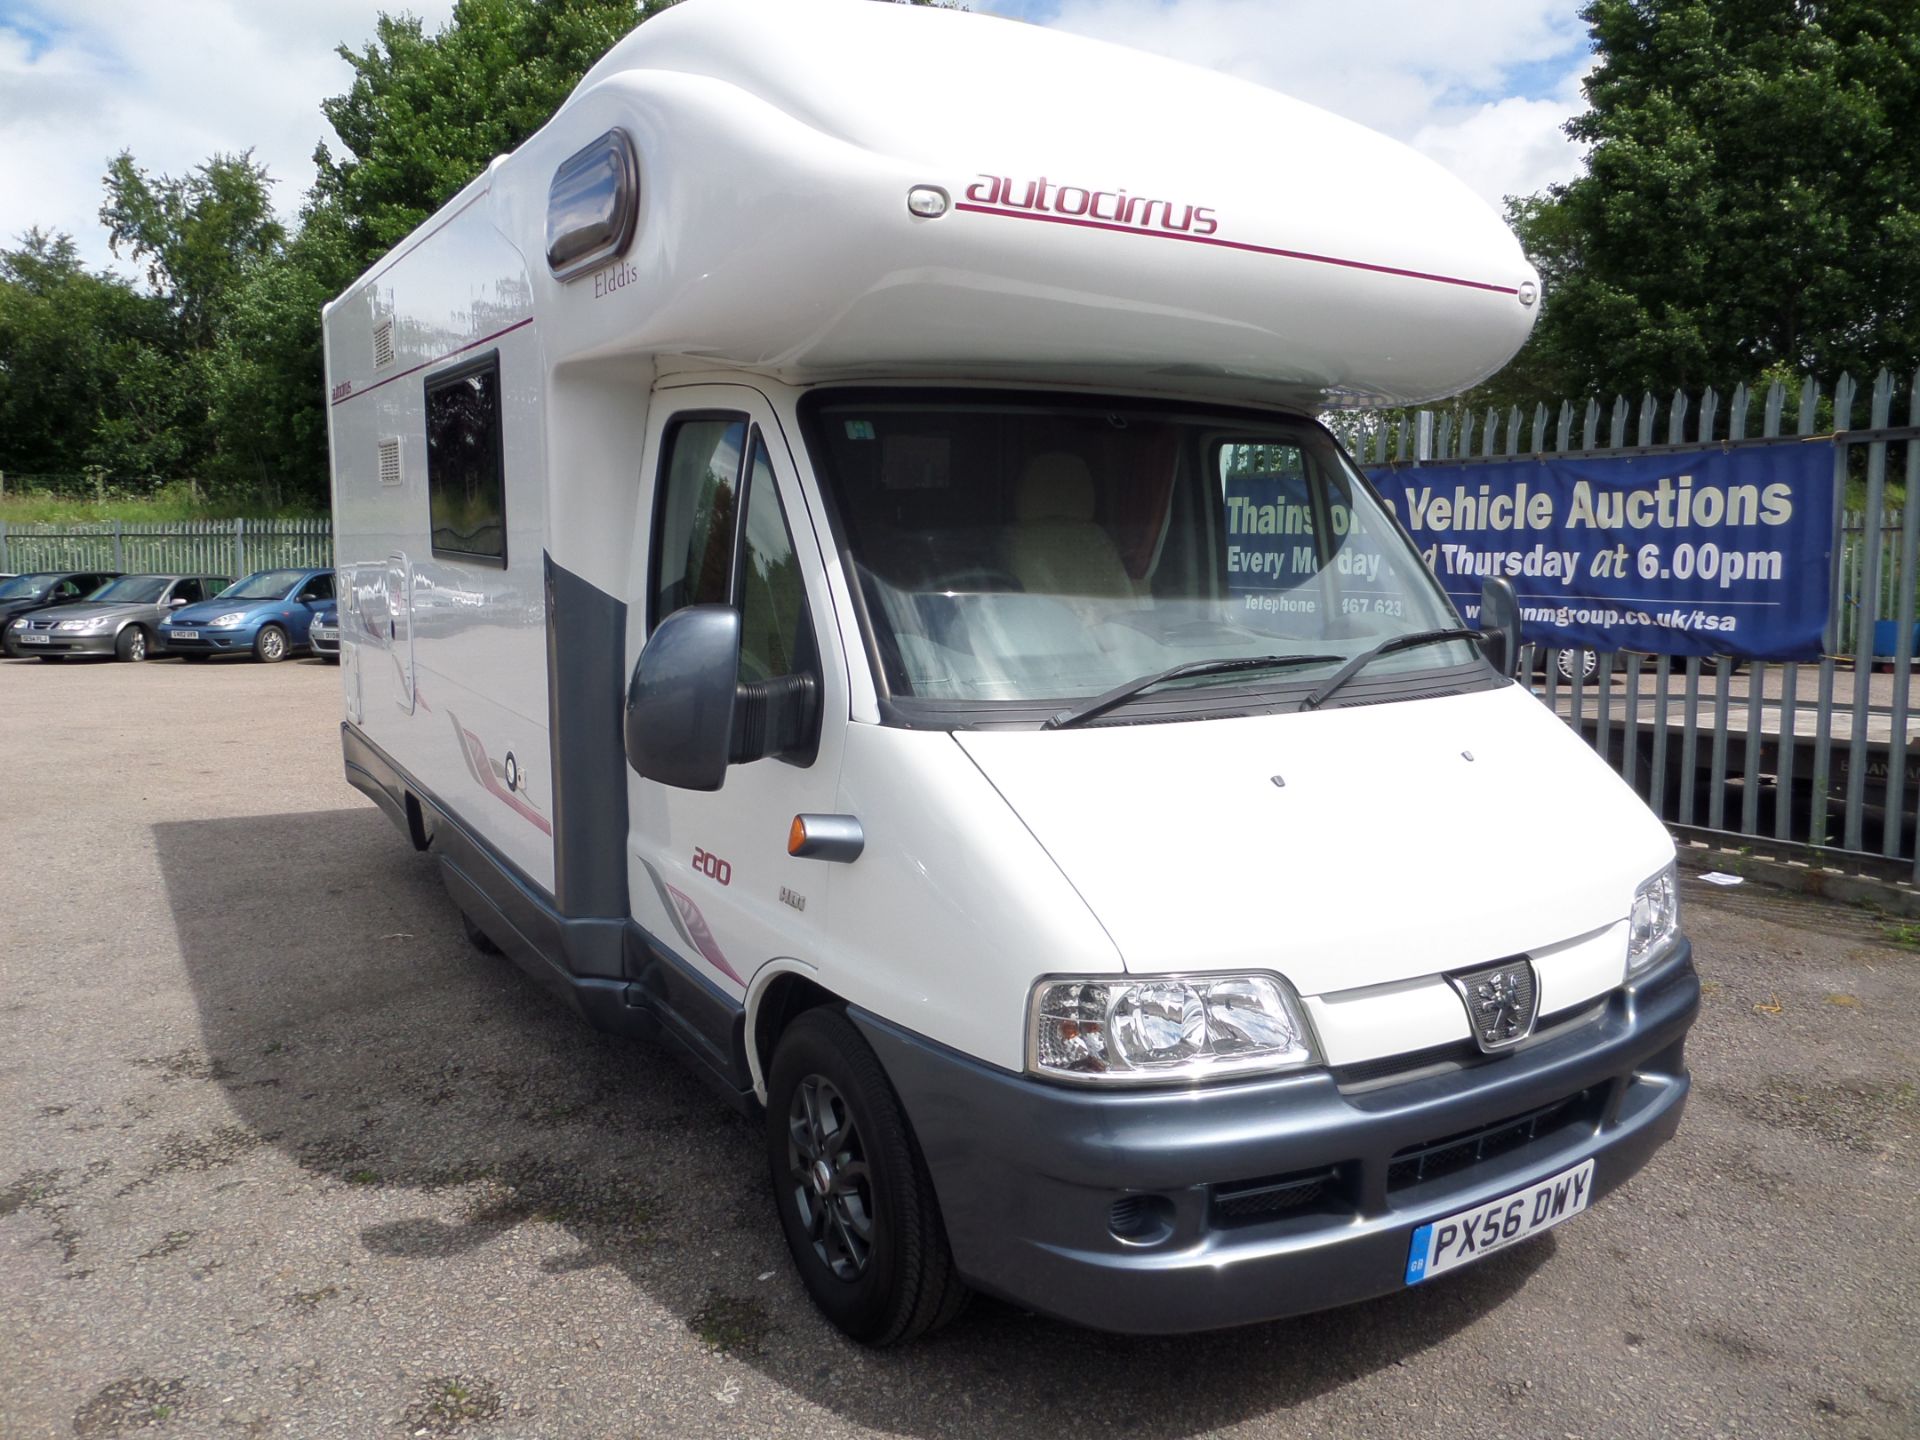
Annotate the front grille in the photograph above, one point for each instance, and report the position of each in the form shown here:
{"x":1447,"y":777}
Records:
{"x":1455,"y":1052}
{"x":1458,"y":1053}
{"x":1417,"y":1164}
{"x":1248,"y":1202}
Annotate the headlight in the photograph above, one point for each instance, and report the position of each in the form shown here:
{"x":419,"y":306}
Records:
{"x":1138,"y":1031}
{"x":232,"y":617}
{"x":74,"y":626}
{"x":1655,"y":920}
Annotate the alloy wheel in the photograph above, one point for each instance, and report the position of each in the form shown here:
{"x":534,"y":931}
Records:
{"x":827,"y":1168}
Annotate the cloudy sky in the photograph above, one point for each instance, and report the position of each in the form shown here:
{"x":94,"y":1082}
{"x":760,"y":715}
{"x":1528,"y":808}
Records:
{"x":1483,"y":88}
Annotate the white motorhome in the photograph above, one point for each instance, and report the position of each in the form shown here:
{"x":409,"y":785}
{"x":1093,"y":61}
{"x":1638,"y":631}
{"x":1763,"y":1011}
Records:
{"x":840,"y":572}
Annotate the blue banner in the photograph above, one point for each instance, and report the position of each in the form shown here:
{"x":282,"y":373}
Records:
{"x":1712,"y":552}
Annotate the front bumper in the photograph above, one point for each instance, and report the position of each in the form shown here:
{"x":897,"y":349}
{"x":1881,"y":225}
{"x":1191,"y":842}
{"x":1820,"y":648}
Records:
{"x":1274,"y":1197}
{"x":324,"y":639}
{"x":57,"y":644}
{"x":208,"y":642}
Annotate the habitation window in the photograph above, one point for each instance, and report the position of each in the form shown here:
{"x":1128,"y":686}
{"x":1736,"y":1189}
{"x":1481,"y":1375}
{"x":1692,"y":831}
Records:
{"x":466,"y":489}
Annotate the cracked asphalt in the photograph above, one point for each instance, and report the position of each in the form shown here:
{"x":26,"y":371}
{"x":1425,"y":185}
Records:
{"x":281,"y":1155}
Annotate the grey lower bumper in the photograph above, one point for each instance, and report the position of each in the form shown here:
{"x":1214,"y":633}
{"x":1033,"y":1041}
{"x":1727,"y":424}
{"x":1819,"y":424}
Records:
{"x":1028,"y":1174}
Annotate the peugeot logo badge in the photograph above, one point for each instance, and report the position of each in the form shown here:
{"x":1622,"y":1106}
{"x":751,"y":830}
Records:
{"x":1502,"y":1002}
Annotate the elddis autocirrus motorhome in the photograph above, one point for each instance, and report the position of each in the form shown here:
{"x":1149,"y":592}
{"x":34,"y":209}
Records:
{"x":842,"y":575}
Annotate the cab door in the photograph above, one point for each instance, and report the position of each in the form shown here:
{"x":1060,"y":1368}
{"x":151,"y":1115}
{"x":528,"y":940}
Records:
{"x":723,"y":521}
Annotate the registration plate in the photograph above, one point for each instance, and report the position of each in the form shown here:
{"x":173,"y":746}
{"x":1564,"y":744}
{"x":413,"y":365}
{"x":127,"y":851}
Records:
{"x":1465,"y":1237}
{"x":183,"y":634}
{"x":35,"y":639}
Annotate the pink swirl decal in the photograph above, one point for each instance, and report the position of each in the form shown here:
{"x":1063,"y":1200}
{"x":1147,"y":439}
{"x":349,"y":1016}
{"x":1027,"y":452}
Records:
{"x":701,"y":934}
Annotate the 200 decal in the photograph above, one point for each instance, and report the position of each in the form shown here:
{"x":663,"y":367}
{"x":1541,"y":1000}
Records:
{"x":713,"y":867}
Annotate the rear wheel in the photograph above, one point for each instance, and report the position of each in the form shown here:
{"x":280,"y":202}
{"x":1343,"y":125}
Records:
{"x":477,"y":937}
{"x":853,"y":1192}
{"x":270,"y":644}
{"x":132,"y":644}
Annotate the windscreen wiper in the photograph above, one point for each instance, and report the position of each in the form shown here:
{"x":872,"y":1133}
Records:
{"x":1386,"y":647}
{"x":1100,"y":704}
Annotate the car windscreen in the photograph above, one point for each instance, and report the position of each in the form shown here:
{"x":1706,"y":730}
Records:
{"x":1021,"y":549}
{"x":24,"y":587}
{"x":133,"y":589}
{"x":265,"y":585}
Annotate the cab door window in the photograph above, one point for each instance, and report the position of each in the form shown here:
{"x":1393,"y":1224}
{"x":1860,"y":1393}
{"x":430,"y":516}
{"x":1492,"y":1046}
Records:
{"x":721,"y":538}
{"x":776,"y":637}
{"x":695,"y":527}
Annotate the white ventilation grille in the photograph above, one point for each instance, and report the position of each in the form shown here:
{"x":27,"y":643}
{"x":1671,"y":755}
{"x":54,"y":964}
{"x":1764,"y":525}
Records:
{"x":390,"y":462}
{"x":383,"y":345}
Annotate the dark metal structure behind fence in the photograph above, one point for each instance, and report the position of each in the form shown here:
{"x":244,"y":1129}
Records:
{"x":1809,"y":757}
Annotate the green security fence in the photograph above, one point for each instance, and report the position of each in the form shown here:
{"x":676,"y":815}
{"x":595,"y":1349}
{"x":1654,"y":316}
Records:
{"x":1817,"y":758}
{"x":179,"y":547}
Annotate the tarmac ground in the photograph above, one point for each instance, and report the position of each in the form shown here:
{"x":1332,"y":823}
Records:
{"x":281,"y":1154}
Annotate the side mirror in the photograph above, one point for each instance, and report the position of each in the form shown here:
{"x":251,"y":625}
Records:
{"x":176,"y":602}
{"x":679,"y":723}
{"x":1500,"y":625}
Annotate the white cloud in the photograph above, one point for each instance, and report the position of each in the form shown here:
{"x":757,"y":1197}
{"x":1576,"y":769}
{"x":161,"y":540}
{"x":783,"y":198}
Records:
{"x":1481,"y":87}
{"x":172,"y":82}
{"x":1438,"y":76}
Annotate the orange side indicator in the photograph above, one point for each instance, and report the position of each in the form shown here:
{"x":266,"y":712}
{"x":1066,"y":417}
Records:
{"x":797,"y":835}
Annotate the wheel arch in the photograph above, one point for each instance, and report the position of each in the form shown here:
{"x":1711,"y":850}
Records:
{"x":782,"y":991}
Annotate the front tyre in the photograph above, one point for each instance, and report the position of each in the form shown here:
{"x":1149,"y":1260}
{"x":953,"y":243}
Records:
{"x":131,"y":644}
{"x":270,"y":645}
{"x":853,"y":1192}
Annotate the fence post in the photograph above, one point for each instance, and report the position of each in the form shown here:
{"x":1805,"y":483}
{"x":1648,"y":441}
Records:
{"x":3,"y":546}
{"x":119,"y":551}
{"x":239,"y":549}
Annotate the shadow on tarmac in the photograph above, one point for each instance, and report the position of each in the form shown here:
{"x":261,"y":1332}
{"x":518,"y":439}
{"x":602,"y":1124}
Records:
{"x":353,"y":1028}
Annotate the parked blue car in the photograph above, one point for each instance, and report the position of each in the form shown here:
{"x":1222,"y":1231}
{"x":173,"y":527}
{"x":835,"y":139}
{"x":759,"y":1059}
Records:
{"x":268,"y":614}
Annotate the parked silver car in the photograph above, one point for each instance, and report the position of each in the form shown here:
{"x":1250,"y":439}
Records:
{"x":119,"y":619}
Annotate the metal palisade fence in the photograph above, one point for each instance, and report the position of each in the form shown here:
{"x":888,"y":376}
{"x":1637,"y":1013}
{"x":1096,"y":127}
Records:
{"x":1810,"y":757}
{"x":180,"y":547}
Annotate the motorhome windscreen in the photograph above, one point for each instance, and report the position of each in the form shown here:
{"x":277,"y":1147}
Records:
{"x":1015,"y":551}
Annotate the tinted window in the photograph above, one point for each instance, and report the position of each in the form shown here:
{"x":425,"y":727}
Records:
{"x":133,"y":589}
{"x":775,"y":637}
{"x":699,"y":486}
{"x":466,"y":492}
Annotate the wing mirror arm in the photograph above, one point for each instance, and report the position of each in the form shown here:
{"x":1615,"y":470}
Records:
{"x":1500,"y":625}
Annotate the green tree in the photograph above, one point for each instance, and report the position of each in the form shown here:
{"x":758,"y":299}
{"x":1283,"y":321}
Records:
{"x":426,"y":113}
{"x":1751,"y":200}
{"x":197,"y":234}
{"x":266,"y":376}
{"x":86,"y":373}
